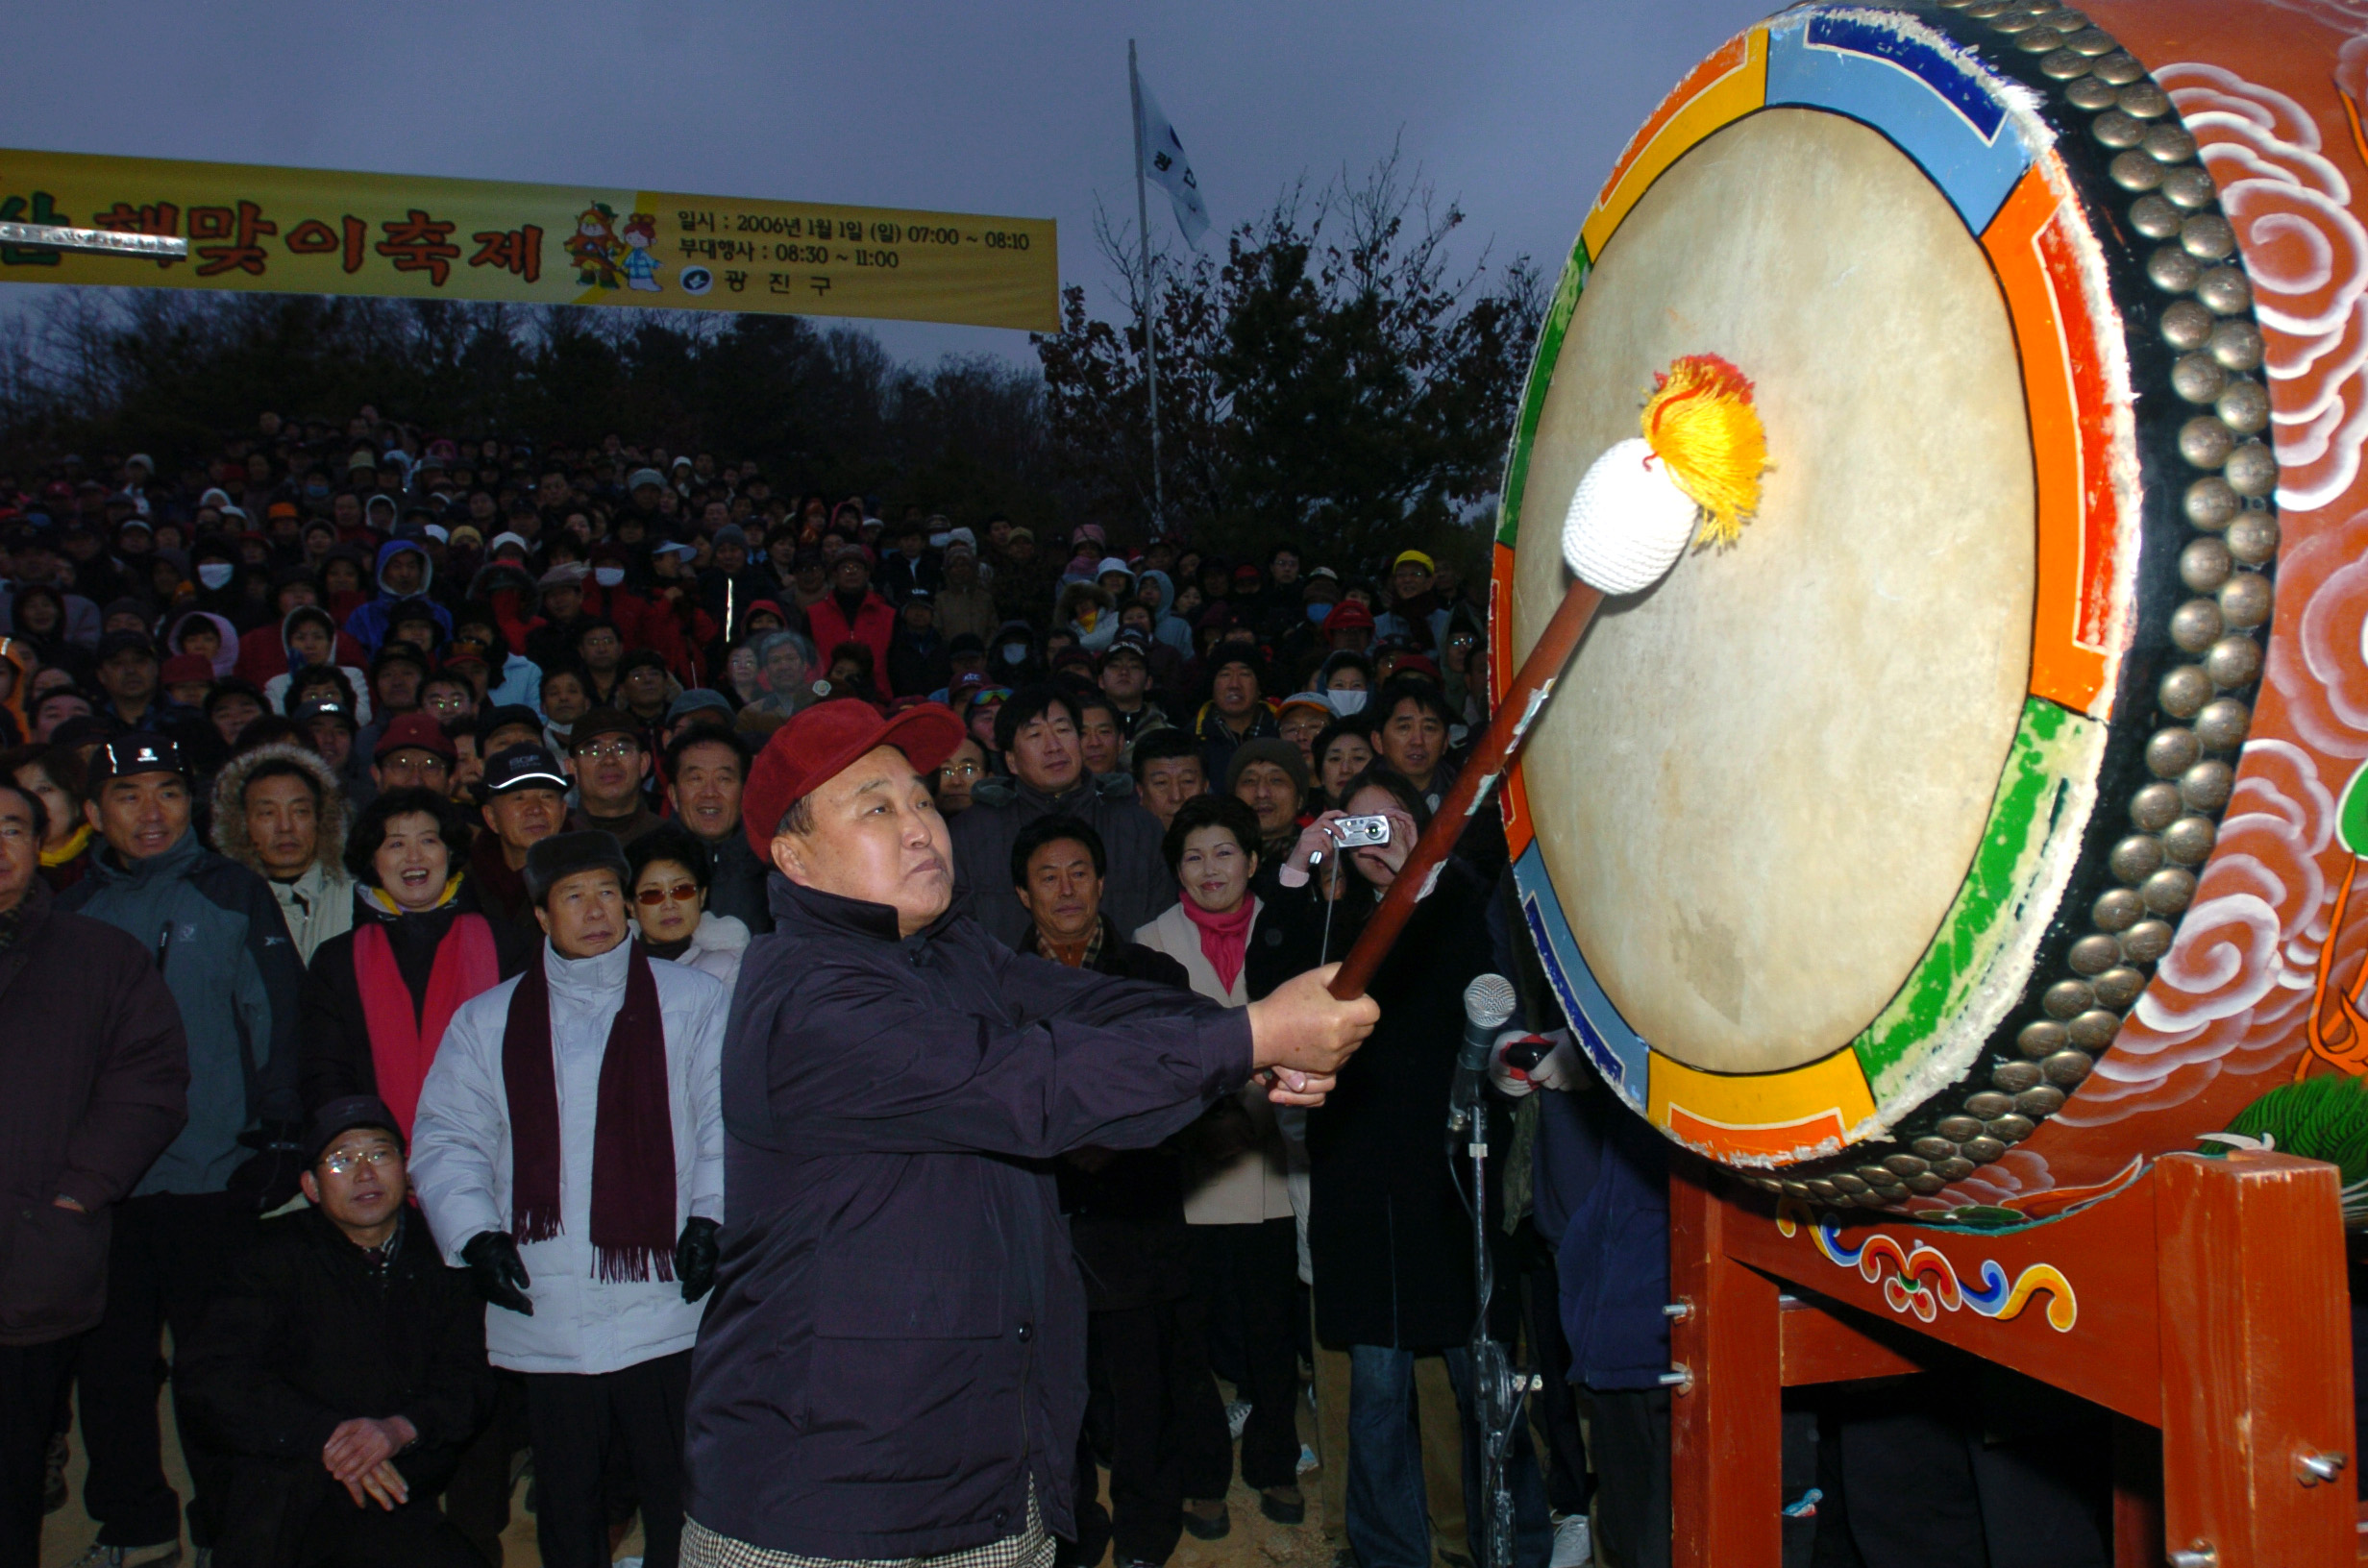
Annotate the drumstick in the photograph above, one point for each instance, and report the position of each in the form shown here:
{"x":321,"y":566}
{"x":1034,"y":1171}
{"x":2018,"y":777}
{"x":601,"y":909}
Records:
{"x":1695,"y":474}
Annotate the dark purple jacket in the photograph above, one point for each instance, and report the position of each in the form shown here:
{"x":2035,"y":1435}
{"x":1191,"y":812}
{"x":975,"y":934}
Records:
{"x":94,"y":1080}
{"x":896,"y":1349}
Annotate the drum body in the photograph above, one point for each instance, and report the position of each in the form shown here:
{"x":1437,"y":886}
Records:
{"x":1972,"y":829}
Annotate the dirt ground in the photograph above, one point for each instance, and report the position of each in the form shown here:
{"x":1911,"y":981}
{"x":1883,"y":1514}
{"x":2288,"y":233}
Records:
{"x":1256,"y":1542}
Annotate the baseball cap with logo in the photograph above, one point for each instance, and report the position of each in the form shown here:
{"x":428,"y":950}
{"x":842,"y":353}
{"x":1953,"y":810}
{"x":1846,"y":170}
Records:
{"x":523,"y":768}
{"x":323,"y":706}
{"x":135,"y":752}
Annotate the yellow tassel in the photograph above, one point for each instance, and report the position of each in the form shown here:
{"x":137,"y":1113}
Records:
{"x":1700,"y":421}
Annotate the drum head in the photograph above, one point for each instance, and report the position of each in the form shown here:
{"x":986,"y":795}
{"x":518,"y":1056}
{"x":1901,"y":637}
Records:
{"x":1874,"y":828}
{"x":1775,"y":767}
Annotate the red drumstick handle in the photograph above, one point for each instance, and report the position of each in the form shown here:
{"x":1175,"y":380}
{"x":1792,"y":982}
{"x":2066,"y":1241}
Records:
{"x":1488,"y":759}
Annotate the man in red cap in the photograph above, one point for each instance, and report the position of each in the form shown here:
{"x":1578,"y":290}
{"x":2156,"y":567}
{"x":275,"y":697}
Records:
{"x":413,"y":752}
{"x":893,"y":1365}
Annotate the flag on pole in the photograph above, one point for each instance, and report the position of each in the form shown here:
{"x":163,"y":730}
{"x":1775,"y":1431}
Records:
{"x":1166,"y":166}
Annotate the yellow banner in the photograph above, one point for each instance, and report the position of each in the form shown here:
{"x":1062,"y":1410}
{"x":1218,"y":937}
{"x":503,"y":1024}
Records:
{"x":315,"y":231}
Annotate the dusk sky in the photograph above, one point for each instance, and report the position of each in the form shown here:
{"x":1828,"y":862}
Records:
{"x":1514,"y":110}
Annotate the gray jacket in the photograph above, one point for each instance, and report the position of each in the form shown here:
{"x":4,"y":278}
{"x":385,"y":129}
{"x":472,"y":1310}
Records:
{"x":216,"y":931}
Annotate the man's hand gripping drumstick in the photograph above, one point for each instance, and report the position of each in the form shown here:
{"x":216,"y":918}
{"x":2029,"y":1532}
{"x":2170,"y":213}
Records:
{"x":1693,"y":475}
{"x":1300,"y":1034}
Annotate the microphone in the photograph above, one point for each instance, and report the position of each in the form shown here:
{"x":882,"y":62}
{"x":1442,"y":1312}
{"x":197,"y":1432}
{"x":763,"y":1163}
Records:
{"x":1488,"y":1003}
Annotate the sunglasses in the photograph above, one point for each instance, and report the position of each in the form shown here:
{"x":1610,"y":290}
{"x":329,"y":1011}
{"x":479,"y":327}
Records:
{"x":681,"y":893}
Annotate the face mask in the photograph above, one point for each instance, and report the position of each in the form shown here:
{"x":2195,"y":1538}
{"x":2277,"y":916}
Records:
{"x":1015,"y":652}
{"x":1345,"y":702}
{"x":316,"y":491}
{"x":609,"y":577}
{"x":1318,"y":611}
{"x":215,"y":574}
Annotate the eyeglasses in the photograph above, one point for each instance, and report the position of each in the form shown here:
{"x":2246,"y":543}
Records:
{"x":612,"y":751}
{"x":681,"y":893}
{"x":345,"y":1160}
{"x":965,"y":768}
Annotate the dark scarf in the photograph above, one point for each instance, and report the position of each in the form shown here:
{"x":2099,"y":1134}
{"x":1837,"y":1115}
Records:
{"x":632,"y":1139}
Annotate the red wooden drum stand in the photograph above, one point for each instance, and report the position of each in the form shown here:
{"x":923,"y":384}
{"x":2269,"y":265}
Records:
{"x":2204,"y":1306}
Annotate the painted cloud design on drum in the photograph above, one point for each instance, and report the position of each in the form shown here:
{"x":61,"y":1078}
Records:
{"x":2232,"y":998}
{"x":2308,"y":257}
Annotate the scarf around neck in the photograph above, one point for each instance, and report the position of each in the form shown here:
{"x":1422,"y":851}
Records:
{"x":403,"y":1035}
{"x":633,"y":1133}
{"x":1223,"y":937}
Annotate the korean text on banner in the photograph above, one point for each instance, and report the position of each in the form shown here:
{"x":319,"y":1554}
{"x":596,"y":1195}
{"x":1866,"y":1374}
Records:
{"x":313,"y":231}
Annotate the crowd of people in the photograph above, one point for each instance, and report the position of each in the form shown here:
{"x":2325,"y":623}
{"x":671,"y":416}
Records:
{"x":377,"y":876}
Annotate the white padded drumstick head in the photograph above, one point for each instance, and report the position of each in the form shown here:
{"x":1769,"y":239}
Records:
{"x":1489,"y":1000}
{"x":1628,"y":521}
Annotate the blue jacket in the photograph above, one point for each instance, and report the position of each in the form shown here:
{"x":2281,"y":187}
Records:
{"x":216,"y":932}
{"x":367,"y":624}
{"x":1602,"y":1202}
{"x":896,"y":1349}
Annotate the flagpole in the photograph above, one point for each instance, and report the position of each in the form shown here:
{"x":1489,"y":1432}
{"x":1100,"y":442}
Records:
{"x":1150,"y":318}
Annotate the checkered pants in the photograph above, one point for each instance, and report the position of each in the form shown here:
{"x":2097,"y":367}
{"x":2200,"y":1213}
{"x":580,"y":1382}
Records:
{"x":1031,"y":1548}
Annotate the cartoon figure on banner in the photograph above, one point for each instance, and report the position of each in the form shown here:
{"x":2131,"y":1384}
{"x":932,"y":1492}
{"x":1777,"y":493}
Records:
{"x":641,"y":262}
{"x":594,"y":249}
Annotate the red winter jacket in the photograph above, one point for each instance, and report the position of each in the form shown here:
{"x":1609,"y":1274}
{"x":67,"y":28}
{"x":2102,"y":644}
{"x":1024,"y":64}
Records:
{"x":875,"y":623}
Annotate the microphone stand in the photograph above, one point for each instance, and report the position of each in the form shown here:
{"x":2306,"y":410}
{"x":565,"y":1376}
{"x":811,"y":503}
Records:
{"x":1497,"y":1390}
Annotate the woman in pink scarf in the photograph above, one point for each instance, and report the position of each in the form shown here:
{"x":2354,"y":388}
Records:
{"x":1238,"y":1174}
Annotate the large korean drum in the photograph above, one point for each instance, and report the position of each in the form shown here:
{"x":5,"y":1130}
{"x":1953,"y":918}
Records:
{"x":1982,"y":822}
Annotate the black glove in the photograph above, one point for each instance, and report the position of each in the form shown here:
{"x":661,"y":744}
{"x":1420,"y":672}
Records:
{"x":492,"y":1257}
{"x":694,"y":1258}
{"x":267,"y":1177}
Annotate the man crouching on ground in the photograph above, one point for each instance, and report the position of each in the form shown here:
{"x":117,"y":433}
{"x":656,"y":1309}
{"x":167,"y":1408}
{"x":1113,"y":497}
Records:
{"x":893,"y":1365}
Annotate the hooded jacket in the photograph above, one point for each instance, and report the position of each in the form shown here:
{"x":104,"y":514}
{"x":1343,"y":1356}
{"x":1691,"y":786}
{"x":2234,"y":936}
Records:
{"x":1078,"y":599}
{"x":274,"y":689}
{"x":1000,"y":671}
{"x":319,"y":904}
{"x":1136,"y":890}
{"x":460,"y":1159}
{"x":368,"y":623}
{"x":1169,"y":626}
{"x":263,"y":654}
{"x":894,"y":1354}
{"x":80,"y":1116}
{"x":214,"y":929}
{"x":227,"y":638}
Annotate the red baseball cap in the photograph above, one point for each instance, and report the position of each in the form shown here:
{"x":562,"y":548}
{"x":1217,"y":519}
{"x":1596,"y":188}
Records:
{"x":822,"y":740}
{"x":415,"y":729}
{"x":1348,"y":616}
